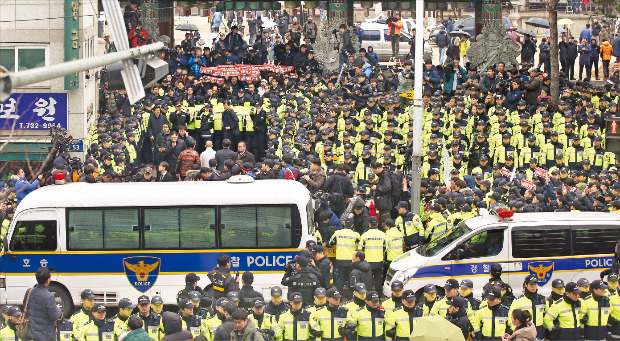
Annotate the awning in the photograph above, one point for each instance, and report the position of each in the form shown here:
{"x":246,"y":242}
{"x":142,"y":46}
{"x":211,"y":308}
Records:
{"x":26,"y":151}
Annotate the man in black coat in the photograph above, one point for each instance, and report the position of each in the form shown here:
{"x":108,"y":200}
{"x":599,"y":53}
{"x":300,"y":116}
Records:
{"x":383,"y":192}
{"x":340,"y":188}
{"x":223,"y":332}
{"x":563,"y":46}
{"x":443,"y":41}
{"x":247,"y":294}
{"x":323,"y":264}
{"x":303,"y":280}
{"x":41,"y":308}
{"x":571,"y":56}
{"x":457,"y":315}
{"x":360,"y":270}
{"x":528,"y":50}
{"x":224,"y":154}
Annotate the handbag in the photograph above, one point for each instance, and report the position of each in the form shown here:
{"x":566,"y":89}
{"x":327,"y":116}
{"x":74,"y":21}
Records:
{"x":23,"y":326}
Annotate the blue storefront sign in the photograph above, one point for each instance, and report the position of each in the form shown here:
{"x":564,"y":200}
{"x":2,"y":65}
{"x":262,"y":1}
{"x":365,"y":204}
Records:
{"x":34,"y":111}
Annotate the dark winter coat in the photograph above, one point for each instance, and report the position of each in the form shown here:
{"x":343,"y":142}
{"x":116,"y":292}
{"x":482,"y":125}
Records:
{"x":42,"y":313}
{"x":616,"y":47}
{"x":571,"y":51}
{"x":442,"y":40}
{"x":173,"y":328}
{"x":533,"y":88}
{"x":528,"y":50}
{"x":339,"y":183}
{"x":584,"y":54}
{"x":383,"y":193}
{"x":361,"y":273}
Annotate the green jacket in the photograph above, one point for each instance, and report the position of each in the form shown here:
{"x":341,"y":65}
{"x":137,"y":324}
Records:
{"x":138,"y":335}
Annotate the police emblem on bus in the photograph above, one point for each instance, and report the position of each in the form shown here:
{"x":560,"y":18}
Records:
{"x":142,"y":271}
{"x":542,"y":270}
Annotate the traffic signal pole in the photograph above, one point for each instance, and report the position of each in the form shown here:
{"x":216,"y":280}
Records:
{"x":417,"y":110}
{"x":13,"y":80}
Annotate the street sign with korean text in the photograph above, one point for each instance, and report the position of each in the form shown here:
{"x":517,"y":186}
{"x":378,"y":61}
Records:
{"x":34,"y":111}
{"x":72,"y":39}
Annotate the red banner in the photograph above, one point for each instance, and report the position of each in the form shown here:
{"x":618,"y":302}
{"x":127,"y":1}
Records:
{"x":244,"y":70}
{"x":541,"y":173}
{"x":505,"y":172}
{"x":527,"y":184}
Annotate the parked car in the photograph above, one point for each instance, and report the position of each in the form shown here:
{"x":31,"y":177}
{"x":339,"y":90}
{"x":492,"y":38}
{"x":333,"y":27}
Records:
{"x":433,"y":31}
{"x":467,"y":24}
{"x":408,"y":24}
{"x":375,"y":34}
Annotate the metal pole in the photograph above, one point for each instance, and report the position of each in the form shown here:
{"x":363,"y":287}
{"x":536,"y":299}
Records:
{"x":416,"y":112}
{"x":10,"y":81}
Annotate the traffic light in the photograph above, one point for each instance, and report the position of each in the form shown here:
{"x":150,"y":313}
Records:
{"x":612,"y":134}
{"x":155,"y":69}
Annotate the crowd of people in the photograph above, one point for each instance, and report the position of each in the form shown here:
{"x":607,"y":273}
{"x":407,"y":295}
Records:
{"x":491,"y":138}
{"x":229,"y":308}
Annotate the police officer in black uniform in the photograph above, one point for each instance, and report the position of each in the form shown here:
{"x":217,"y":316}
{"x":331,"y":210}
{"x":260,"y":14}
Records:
{"x":247,"y":294}
{"x":191,"y":284}
{"x":65,"y":328}
{"x":302,"y":280}
{"x":276,"y":306}
{"x":220,"y":277}
{"x":151,"y":320}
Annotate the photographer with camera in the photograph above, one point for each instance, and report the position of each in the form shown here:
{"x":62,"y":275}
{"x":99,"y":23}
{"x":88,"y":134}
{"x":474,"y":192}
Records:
{"x":394,"y":27}
{"x":138,"y":36}
{"x":453,"y":76}
{"x":310,"y":30}
{"x":346,"y":44}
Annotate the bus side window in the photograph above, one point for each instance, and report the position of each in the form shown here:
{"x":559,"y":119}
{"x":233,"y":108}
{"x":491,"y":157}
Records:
{"x":34,"y":236}
{"x":485,"y":244}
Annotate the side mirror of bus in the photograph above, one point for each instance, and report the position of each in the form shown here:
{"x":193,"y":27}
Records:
{"x":458,"y":253}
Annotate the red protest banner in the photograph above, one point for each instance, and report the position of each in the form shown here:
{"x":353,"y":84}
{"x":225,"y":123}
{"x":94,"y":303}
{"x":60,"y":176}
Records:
{"x":505,"y":172}
{"x":527,"y":184}
{"x":541,"y":173}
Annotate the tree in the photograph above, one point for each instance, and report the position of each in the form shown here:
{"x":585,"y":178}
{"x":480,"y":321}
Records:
{"x":554,"y":50}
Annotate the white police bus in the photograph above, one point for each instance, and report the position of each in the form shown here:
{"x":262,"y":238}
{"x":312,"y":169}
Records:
{"x":127,"y":239}
{"x":568,"y":245}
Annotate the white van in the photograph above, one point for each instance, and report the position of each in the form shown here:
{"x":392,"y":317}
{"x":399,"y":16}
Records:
{"x":551,"y":245}
{"x":376,"y":35}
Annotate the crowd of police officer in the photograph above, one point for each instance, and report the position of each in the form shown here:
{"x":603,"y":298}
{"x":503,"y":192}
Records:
{"x":319,"y":310}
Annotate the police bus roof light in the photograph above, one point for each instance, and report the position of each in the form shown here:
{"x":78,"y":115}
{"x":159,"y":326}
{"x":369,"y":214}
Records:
{"x":59,"y":178}
{"x":504,"y":212}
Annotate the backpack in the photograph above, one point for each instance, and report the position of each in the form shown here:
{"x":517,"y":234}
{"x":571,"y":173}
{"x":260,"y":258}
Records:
{"x":396,"y":178}
{"x":290,"y":174}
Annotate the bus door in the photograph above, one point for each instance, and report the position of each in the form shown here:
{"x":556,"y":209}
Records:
{"x":473,"y":257}
{"x":33,"y":243}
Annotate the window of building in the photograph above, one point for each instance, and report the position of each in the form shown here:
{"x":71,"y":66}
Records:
{"x":20,"y":58}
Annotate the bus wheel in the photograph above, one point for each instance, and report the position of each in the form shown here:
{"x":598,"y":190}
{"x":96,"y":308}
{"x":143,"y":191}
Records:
{"x":62,"y":295}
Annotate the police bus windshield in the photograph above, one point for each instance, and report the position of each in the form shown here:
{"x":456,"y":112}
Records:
{"x":438,"y":245}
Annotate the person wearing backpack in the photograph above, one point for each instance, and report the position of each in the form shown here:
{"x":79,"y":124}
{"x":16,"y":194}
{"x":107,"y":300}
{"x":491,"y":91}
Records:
{"x":287,"y":171}
{"x":383,"y":192}
{"x":340,"y":189}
